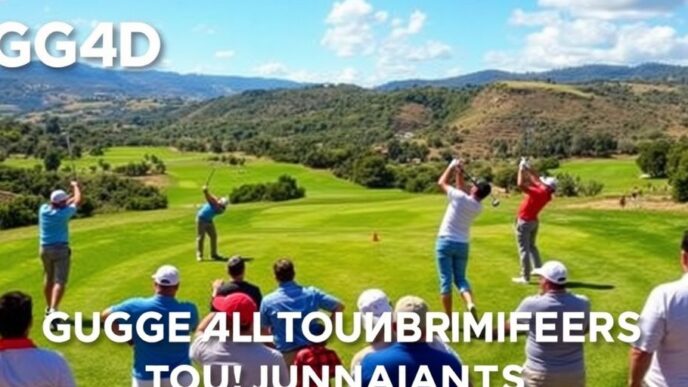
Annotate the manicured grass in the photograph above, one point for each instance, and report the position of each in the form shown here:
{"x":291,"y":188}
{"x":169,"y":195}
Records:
{"x":619,"y":175}
{"x":328,"y":234}
{"x":559,"y":88}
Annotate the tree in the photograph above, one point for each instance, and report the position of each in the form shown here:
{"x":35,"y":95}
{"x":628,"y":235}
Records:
{"x":372,"y":172}
{"x":653,"y":158}
{"x":52,"y":126}
{"x":52,"y":161}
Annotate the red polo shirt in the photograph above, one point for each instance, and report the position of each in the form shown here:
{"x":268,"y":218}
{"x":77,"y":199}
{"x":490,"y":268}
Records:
{"x":536,"y":198}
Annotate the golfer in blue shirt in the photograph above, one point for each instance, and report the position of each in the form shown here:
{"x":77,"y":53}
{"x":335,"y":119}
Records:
{"x":204,"y":223}
{"x":53,"y":226}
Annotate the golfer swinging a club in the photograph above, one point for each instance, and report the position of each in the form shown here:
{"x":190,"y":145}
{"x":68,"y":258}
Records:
{"x":538,"y":192}
{"x":204,"y":223}
{"x":454,"y":234}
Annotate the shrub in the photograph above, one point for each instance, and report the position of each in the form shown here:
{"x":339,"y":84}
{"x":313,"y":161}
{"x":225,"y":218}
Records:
{"x":372,"y":172}
{"x":505,"y":177}
{"x":653,"y":158}
{"x":286,"y":188}
{"x":52,"y":161}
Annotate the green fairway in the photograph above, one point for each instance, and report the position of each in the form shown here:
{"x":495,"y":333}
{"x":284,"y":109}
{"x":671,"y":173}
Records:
{"x":328,"y":234}
{"x":619,"y":175}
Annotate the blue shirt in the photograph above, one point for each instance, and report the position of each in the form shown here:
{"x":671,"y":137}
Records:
{"x":290,"y":297}
{"x":163,"y":352}
{"x":412,"y":356}
{"x":53,"y":224}
{"x":208,"y":212}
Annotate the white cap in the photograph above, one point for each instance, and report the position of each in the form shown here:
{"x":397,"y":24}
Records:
{"x":166,"y":275}
{"x":553,"y":271}
{"x":375,"y":302}
{"x":58,"y":196}
{"x":551,"y":182}
{"x":412,"y":304}
{"x":223,"y":202}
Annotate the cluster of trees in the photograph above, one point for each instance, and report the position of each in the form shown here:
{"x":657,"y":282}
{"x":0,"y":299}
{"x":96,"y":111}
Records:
{"x":150,"y":165}
{"x":285,"y":188}
{"x":665,"y":159}
{"x":25,"y":189}
{"x":560,"y":143}
{"x":228,"y":159}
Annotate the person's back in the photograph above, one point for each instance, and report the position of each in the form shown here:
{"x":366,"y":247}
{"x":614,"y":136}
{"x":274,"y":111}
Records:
{"x":249,"y":356}
{"x":412,"y":356}
{"x":290,"y":297}
{"x":54,"y":224}
{"x":245,"y":287}
{"x":664,"y":326}
{"x":22,"y":364}
{"x":163,"y":352}
{"x":559,"y":356}
{"x":29,"y":366}
{"x":461,"y":211}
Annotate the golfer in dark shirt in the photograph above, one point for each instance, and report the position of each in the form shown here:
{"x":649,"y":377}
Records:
{"x":236,"y":267}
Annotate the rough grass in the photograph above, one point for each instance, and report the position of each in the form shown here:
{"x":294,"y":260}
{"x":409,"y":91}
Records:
{"x":328,"y":234}
{"x":557,"y":88}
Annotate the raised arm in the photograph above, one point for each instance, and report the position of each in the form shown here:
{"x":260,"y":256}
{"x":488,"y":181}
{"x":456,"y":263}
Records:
{"x":443,"y":181}
{"x":210,"y":198}
{"x":76,"y":194}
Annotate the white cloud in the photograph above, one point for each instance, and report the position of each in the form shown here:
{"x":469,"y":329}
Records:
{"x":615,"y":9}
{"x":522,"y":18}
{"x":381,"y":16}
{"x":350,"y":30}
{"x":272,"y":69}
{"x":453,"y":72}
{"x":414,"y":26}
{"x":562,"y":37}
{"x":203,"y":29}
{"x":280,"y":70}
{"x":355,"y":28}
{"x":224,"y":54}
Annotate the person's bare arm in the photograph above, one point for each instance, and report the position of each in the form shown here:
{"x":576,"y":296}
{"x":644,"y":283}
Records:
{"x":443,"y":181}
{"x":76,"y":194}
{"x":210,"y":198}
{"x":204,"y":323}
{"x":639,"y":364}
{"x":115,"y":327}
{"x":460,"y":179}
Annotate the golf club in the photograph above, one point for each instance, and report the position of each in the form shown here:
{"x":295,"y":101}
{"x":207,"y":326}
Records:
{"x":210,"y":177}
{"x":493,"y":200}
{"x":71,"y":155}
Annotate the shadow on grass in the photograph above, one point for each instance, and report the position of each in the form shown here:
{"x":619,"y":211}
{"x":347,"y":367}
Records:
{"x":85,"y":323}
{"x":584,"y":285}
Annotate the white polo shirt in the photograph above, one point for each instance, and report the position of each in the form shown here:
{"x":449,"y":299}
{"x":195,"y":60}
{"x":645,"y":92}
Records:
{"x":34,"y":367}
{"x":461,"y":211}
{"x":664,"y":332}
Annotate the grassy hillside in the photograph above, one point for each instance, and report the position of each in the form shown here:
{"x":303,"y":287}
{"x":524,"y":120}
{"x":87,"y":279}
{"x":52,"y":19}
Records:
{"x":328,"y":234}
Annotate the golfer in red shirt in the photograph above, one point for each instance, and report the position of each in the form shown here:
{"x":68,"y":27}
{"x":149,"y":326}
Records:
{"x":538,"y":192}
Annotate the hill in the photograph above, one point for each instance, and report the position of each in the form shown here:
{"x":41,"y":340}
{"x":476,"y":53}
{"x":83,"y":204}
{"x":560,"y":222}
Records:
{"x":37,"y":86}
{"x":651,"y":72}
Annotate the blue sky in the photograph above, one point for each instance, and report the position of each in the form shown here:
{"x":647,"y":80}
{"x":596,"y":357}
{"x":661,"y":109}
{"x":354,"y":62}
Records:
{"x":372,"y":41}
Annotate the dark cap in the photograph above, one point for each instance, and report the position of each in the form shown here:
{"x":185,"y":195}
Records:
{"x":236,"y":265}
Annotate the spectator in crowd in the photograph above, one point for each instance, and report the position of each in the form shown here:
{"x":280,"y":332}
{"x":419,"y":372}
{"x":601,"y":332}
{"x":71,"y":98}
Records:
{"x":374,"y":303}
{"x":410,"y":355}
{"x":660,"y":356}
{"x":454,"y":234}
{"x":204,"y":223}
{"x":292,"y":297}
{"x":316,"y":356}
{"x":538,"y":192}
{"x":53,"y":226}
{"x":249,"y":356}
{"x":22,"y":364}
{"x":236,"y":268}
{"x":554,"y":364}
{"x":166,"y":284}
